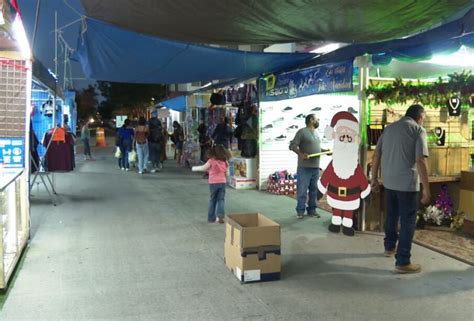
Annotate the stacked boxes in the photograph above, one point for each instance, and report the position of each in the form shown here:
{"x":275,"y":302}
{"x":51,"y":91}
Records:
{"x":242,"y":173}
{"x":281,"y":186}
{"x":243,"y":183}
{"x":252,"y":247}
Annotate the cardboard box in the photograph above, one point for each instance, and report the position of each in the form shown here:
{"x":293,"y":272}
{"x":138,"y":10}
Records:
{"x":243,"y":183}
{"x":252,"y":247}
{"x":244,"y":167}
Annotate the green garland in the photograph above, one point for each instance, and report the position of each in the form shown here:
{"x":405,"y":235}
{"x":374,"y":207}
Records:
{"x":435,"y":94}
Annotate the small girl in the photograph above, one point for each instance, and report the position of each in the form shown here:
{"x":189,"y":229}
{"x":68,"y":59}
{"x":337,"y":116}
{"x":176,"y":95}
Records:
{"x":217,"y":168}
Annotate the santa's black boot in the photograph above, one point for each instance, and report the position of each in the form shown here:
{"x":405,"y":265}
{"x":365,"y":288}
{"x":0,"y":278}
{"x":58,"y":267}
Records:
{"x":349,"y":231}
{"x":334,"y":228}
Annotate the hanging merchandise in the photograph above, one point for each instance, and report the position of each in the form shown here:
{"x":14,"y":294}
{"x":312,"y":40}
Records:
{"x":454,"y":106}
{"x":60,"y":153}
{"x":440,"y":135}
{"x":218,"y":98}
{"x":47,"y":108}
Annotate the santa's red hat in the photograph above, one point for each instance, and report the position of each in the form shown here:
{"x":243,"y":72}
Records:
{"x":342,"y":118}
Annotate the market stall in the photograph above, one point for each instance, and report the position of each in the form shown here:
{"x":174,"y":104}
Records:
{"x":15,"y":94}
{"x":445,"y":92}
{"x":285,"y":101}
{"x":241,"y":110}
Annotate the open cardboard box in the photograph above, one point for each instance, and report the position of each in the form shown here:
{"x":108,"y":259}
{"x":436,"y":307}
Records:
{"x":252,"y":247}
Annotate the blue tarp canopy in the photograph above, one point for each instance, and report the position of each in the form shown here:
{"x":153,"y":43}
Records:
{"x":443,"y":39}
{"x":113,"y":54}
{"x":177,"y":103}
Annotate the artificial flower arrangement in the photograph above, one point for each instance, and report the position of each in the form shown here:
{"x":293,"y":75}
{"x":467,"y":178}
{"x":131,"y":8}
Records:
{"x":441,"y":213}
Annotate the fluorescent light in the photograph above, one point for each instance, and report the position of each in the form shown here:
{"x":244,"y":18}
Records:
{"x":207,"y":85}
{"x":242,"y":85}
{"x":327,"y":48}
{"x":20,"y":37}
{"x":463,"y":57}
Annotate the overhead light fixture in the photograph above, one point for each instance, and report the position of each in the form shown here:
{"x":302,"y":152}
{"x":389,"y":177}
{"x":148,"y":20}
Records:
{"x":20,"y":37}
{"x":207,"y":85}
{"x":242,"y":85}
{"x":327,"y":48}
{"x":462,"y":58}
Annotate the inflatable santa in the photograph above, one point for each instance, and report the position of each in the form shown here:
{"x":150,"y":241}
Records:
{"x":343,"y":180}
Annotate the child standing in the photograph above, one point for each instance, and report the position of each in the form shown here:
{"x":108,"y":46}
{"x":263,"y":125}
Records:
{"x":217,"y":168}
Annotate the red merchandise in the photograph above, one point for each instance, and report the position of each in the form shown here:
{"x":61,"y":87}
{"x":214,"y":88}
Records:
{"x":60,"y":154}
{"x":282,"y":186}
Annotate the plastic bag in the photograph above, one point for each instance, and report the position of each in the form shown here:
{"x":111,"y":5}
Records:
{"x":132,"y":157}
{"x":118,"y":153}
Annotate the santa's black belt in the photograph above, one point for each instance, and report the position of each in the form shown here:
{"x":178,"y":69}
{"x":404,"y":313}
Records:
{"x":343,"y":191}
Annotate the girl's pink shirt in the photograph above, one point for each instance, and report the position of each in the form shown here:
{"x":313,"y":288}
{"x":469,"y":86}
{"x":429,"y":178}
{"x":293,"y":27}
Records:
{"x":217,"y":171}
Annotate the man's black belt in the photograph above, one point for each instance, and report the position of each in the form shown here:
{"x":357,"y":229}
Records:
{"x":343,"y":191}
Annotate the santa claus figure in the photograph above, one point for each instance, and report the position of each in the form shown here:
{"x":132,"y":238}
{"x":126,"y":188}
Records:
{"x":344,"y":180}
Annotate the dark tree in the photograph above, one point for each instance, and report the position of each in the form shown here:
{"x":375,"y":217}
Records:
{"x":133,"y":99}
{"x":86,"y":100}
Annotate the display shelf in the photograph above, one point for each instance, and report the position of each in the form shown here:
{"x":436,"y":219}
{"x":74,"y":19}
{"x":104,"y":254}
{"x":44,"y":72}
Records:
{"x":14,"y":222}
{"x":7,"y":177}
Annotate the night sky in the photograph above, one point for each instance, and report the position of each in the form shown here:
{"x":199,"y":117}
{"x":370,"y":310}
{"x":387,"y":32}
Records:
{"x":43,"y":48}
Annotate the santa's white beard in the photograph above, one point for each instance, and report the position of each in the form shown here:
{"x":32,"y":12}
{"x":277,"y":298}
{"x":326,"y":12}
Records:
{"x":345,"y":158}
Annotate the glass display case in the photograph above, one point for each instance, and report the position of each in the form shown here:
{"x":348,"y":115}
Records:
{"x":14,"y":222}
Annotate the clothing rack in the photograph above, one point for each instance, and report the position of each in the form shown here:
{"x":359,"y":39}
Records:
{"x":44,"y":173}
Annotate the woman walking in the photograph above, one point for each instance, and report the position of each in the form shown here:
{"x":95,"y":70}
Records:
{"x":141,"y":143}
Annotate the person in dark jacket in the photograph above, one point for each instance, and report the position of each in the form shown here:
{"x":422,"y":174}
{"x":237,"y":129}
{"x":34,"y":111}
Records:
{"x":223,"y":133}
{"x":155,"y":140}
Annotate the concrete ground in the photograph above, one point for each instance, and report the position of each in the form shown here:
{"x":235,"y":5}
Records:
{"x":120,"y":246}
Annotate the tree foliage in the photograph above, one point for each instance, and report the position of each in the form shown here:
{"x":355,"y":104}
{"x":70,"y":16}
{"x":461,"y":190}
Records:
{"x":86,"y":100}
{"x":132,"y":99}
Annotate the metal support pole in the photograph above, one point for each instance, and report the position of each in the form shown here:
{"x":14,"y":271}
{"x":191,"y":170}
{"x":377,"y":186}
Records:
{"x":363,"y":64}
{"x":66,"y":51}
{"x":55,"y":64}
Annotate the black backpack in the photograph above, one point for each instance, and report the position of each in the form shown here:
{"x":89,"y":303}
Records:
{"x":156,"y":134}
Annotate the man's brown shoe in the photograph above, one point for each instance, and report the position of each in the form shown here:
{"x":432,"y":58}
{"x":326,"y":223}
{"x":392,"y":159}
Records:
{"x":389,"y":253}
{"x":409,"y":268}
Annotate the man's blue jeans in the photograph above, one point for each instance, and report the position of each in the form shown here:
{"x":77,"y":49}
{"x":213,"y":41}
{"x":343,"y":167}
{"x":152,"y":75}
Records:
{"x":216,"y":202}
{"x":306,"y":189}
{"x":400,"y":206}
{"x":125,"y":148}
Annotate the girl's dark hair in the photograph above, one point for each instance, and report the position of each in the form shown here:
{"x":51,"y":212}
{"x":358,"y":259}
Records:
{"x":219,"y":152}
{"x":126,"y":122}
{"x":142,"y":121}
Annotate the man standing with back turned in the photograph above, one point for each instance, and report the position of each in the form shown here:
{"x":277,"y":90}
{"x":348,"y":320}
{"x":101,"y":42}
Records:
{"x":402,"y":151}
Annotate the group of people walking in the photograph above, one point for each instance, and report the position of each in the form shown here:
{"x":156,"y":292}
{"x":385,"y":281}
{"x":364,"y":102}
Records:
{"x":148,"y":140}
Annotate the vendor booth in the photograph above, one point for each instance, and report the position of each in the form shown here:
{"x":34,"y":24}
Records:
{"x":15,"y":93}
{"x":286,"y":100}
{"x":443,"y":85}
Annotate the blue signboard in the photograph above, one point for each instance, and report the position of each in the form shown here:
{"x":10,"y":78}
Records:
{"x":323,"y":79}
{"x":12,"y":152}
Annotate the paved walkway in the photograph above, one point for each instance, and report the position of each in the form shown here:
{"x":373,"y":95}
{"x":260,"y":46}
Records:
{"x":120,"y":246}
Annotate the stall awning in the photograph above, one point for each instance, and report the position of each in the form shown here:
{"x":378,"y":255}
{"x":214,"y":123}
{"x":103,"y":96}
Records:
{"x":446,"y":38}
{"x":177,"y":103}
{"x":113,"y":54}
{"x":270,"y":21}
